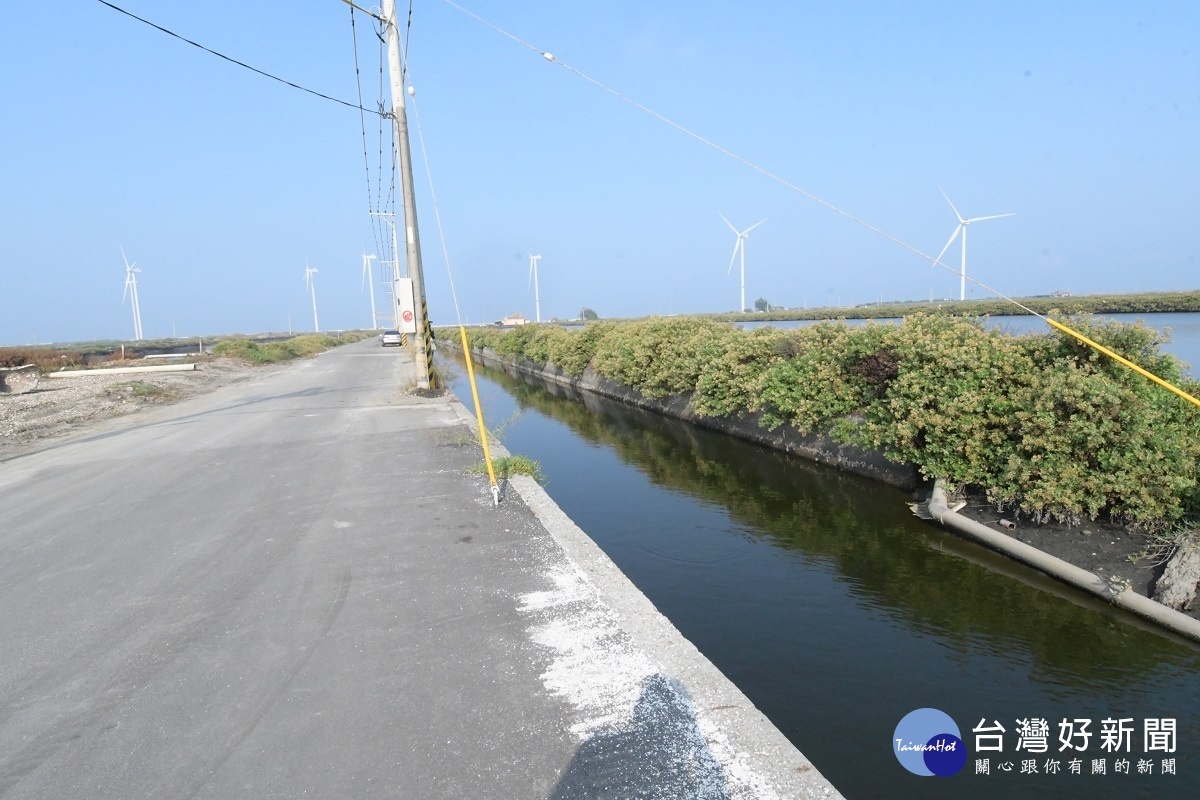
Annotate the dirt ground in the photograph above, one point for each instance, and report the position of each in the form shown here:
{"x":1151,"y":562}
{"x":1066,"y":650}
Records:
{"x":1110,"y":551}
{"x":60,"y":407}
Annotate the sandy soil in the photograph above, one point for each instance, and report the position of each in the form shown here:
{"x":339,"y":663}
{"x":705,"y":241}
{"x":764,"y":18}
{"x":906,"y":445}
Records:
{"x":60,"y":407}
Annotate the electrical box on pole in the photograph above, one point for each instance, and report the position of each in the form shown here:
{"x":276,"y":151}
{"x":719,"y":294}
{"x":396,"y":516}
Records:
{"x":406,"y":309}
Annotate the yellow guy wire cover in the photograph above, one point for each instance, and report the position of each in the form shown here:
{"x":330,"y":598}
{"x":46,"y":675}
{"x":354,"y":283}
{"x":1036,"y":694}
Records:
{"x":487,"y":453}
{"x":1125,"y":361}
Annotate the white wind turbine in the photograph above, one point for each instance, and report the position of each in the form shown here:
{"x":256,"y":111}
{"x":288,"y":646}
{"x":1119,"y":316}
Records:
{"x":533,"y":276}
{"x":311,"y":284}
{"x":368,"y":279}
{"x":962,"y":228}
{"x":131,"y":271}
{"x":740,"y":244}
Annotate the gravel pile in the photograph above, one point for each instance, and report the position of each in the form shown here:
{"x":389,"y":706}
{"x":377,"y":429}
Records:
{"x":60,"y":406}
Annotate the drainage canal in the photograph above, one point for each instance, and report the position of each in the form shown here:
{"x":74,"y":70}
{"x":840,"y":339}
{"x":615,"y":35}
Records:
{"x":837,"y":612}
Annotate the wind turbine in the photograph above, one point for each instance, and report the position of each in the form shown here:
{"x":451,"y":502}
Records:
{"x":131,"y":271}
{"x":311,"y":284}
{"x":962,"y":228}
{"x":740,"y":244}
{"x":367,"y":279}
{"x":537,"y":301}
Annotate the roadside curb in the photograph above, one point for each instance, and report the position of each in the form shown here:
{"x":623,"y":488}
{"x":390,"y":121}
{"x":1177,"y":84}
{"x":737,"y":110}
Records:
{"x":746,"y":744}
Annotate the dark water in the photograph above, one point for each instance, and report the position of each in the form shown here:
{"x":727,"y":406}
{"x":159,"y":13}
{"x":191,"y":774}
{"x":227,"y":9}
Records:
{"x":837,"y":612}
{"x":1183,"y":330}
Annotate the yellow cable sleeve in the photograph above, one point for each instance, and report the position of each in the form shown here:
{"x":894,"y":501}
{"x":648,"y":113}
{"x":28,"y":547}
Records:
{"x":1169,"y":386}
{"x":487,"y":453}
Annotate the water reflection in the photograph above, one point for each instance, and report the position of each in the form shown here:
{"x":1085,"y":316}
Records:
{"x":823,"y":598}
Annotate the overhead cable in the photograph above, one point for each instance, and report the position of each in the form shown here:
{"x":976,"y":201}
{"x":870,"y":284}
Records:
{"x":362,"y":118}
{"x":234,"y":60}
{"x":935,"y":261}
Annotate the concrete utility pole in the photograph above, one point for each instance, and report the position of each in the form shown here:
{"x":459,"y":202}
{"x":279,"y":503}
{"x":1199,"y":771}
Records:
{"x":404,"y":159}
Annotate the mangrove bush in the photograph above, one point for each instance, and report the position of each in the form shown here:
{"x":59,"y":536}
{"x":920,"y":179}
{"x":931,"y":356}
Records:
{"x":1040,"y":423}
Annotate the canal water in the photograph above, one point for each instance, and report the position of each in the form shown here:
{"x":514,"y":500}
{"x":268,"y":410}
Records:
{"x":1183,"y":329}
{"x":837,"y":612}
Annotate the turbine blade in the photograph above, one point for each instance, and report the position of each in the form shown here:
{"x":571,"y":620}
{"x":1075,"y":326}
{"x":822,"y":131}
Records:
{"x":993,"y":216}
{"x":123,"y":258}
{"x":736,"y":244}
{"x":953,"y":236}
{"x":752,"y":227}
{"x":952,"y":208}
{"x":730,"y":224}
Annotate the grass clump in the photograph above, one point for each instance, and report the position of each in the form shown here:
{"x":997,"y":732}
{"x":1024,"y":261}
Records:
{"x":142,"y":390}
{"x":507,"y":466}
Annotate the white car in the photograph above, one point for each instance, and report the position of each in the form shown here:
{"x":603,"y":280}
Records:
{"x":392,"y":337}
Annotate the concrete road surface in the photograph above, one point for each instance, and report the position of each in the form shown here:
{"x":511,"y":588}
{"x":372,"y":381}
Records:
{"x":292,"y":588}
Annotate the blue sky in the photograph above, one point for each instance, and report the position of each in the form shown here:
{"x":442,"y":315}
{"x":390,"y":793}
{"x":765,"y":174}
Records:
{"x":1082,"y":119}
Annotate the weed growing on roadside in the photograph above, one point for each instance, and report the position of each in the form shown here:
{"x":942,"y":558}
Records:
{"x":507,"y":466}
{"x":143,"y":390}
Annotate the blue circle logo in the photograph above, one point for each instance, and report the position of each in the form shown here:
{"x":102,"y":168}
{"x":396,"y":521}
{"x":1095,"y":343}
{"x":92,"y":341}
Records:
{"x":927,"y":742}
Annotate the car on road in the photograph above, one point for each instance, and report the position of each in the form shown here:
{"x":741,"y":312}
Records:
{"x":392,"y":337}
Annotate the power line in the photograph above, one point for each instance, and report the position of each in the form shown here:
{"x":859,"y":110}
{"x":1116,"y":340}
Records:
{"x":379,"y":173}
{"x":554,"y":60}
{"x":234,"y":60}
{"x":407,"y":37}
{"x":362,"y":118}
{"x":935,"y":261}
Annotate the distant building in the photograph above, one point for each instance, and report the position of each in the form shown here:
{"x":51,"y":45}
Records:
{"x":1060,"y":294}
{"x":513,"y":320}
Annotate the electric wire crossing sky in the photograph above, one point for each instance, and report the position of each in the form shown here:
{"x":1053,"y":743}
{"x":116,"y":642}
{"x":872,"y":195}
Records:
{"x":1043,"y":102}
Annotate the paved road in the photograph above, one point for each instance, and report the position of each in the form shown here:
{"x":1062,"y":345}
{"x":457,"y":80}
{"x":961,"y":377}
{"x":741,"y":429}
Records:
{"x":291,"y":587}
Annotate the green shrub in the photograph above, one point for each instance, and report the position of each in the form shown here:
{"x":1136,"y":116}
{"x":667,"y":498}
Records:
{"x":574,"y":352}
{"x":732,"y":382}
{"x":1043,"y":424}
{"x":661,"y":356}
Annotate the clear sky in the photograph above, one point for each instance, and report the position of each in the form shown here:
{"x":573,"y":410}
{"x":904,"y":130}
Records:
{"x":1081,"y":118}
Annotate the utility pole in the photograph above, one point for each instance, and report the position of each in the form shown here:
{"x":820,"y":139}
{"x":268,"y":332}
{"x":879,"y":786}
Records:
{"x":404,"y":159}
